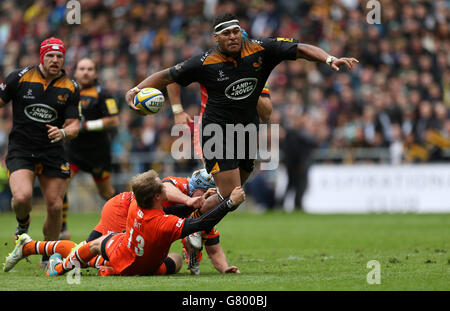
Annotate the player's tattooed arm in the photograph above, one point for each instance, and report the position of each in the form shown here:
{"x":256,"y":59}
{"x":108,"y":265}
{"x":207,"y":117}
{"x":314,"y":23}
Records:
{"x":314,"y":53}
{"x":158,"y":80}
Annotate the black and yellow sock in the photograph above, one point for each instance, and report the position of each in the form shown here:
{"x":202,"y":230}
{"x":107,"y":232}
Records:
{"x":65,"y":209}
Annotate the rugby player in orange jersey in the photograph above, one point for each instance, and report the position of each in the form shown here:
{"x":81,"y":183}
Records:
{"x":144,"y":248}
{"x":184,"y":196}
{"x":116,"y":206}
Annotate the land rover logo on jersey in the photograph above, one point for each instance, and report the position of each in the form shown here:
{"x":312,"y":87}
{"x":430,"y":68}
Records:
{"x":41,"y":113}
{"x":241,"y":89}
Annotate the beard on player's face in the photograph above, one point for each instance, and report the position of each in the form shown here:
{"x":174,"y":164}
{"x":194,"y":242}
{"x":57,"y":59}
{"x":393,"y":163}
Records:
{"x":53,"y":63}
{"x":85,"y":73}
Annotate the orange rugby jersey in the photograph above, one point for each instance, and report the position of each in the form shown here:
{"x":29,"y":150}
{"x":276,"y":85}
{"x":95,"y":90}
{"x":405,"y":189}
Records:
{"x":147,"y":240}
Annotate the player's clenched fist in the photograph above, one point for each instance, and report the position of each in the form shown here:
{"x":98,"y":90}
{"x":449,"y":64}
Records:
{"x":55,"y":134}
{"x":237,"y":196}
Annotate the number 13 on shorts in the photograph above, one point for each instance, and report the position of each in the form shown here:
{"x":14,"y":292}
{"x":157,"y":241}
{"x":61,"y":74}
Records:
{"x":139,"y":249}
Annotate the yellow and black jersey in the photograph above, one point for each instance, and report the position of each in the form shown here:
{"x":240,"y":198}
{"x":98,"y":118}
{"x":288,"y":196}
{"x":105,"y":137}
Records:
{"x":95,"y":103}
{"x":234,"y":84}
{"x":37,"y":103}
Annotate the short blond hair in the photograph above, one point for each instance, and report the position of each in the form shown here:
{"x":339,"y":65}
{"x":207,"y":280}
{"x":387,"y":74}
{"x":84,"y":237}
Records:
{"x":145,"y":187}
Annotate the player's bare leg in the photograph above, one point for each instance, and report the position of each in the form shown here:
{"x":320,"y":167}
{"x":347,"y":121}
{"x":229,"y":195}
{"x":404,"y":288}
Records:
{"x":65,"y":234}
{"x":21,"y":184}
{"x":244,"y":175}
{"x":226,"y":181}
{"x":236,"y":176}
{"x":105,"y":188}
{"x":53,"y":190}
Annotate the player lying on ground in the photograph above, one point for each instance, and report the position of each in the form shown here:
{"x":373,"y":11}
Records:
{"x":114,"y":216}
{"x":192,"y":193}
{"x":143,"y":248}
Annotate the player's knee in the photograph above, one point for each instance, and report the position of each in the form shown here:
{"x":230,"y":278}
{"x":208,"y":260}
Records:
{"x":54,"y":206}
{"x":21,"y":199}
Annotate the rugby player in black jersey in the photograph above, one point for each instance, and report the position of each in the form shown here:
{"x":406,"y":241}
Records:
{"x":91,"y":150}
{"x":234,"y":74}
{"x":45,"y":113}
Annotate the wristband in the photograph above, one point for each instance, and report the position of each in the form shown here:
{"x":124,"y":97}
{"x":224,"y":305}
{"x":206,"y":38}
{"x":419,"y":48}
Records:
{"x":63,"y":132}
{"x":231,"y":205}
{"x":94,"y":125}
{"x":330,"y":60}
{"x":177,"y":108}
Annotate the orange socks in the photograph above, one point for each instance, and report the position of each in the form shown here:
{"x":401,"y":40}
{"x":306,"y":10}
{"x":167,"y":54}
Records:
{"x":80,"y":257}
{"x":48,"y":248}
{"x":97,"y":261}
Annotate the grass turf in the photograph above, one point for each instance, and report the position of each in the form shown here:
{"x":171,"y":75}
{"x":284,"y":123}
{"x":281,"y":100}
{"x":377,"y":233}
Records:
{"x":275,"y":252}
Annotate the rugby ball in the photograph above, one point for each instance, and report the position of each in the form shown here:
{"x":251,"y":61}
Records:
{"x":149,"y":100}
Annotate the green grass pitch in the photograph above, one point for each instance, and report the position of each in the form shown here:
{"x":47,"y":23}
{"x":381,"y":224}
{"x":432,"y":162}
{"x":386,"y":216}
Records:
{"x":276,"y":252}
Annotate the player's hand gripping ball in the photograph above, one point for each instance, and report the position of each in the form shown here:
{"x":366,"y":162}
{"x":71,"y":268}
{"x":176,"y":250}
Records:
{"x":149,"y":100}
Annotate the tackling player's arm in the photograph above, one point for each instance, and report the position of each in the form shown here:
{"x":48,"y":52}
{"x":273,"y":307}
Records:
{"x":175,"y":195}
{"x":209,"y":219}
{"x":158,"y":80}
{"x":314,"y":53}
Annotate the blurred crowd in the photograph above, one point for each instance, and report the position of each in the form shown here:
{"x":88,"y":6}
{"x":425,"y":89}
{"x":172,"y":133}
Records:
{"x":398,"y":97}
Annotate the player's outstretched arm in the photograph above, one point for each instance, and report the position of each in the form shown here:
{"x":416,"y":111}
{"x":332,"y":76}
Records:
{"x":158,"y":80}
{"x":314,"y":53}
{"x":213,"y":216}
